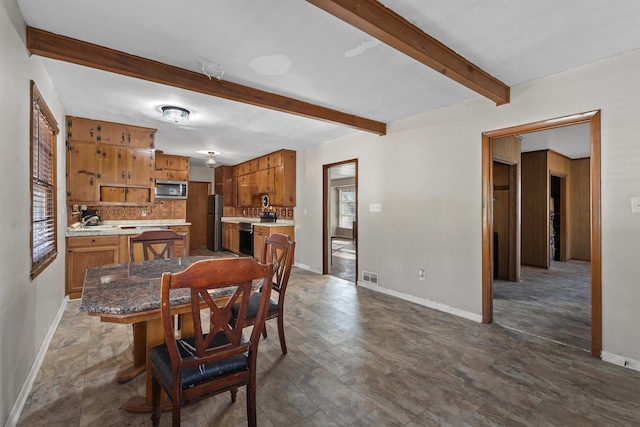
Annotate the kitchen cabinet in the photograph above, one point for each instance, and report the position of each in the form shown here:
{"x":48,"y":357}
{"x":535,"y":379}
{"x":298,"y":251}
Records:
{"x":126,"y":174}
{"x":273,"y":174}
{"x":109,"y":163}
{"x":246,"y":189}
{"x":171,"y":167}
{"x":82,"y":172}
{"x":82,"y":129}
{"x":261,"y":232}
{"x":88,"y":252}
{"x":284,"y":187}
{"x":231,"y":237}
{"x":182,"y":229}
{"x":230,"y":186}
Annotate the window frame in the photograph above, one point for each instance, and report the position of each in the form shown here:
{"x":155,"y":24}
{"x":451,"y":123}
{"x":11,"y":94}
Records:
{"x":39,"y":147}
{"x":349,"y":188}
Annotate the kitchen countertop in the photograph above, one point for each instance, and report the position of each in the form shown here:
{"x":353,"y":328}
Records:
{"x":256,"y":221}
{"x":114,"y":228}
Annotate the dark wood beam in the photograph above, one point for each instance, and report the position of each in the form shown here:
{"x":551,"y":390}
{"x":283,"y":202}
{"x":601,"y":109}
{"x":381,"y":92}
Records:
{"x":63,"y":48}
{"x":395,"y":31}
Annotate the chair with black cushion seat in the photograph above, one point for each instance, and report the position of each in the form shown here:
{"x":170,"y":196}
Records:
{"x":217,"y":358}
{"x":278,"y":250}
{"x":155,"y":244}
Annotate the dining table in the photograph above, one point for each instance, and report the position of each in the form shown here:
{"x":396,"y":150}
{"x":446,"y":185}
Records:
{"x":129,"y":293}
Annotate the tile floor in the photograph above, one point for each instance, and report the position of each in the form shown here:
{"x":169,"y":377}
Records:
{"x":553,"y":303}
{"x":356,"y":358}
{"x":343,"y":259}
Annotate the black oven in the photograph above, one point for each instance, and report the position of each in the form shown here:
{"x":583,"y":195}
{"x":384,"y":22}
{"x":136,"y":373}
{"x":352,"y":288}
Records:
{"x":246,"y":238}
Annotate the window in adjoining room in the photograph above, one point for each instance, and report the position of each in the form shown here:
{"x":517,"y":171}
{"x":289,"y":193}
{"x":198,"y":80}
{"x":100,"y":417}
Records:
{"x":347,"y":197}
{"x":44,"y":231}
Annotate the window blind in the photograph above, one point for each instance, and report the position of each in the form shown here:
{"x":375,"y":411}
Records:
{"x":43,"y":184}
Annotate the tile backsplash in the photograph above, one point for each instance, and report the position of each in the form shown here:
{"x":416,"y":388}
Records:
{"x":285,"y":212}
{"x":161,"y":209}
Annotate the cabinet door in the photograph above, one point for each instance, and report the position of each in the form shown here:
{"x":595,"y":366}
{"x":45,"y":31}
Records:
{"x":112,"y":164}
{"x":89,"y":254}
{"x":181,"y":229}
{"x":82,"y":171}
{"x":246,"y":185}
{"x":139,"y":167}
{"x":230,"y":186}
{"x":259,"y":234}
{"x":79,"y":129}
{"x":113,"y":133}
{"x":139,"y":196}
{"x":137,"y":137}
{"x":264,"y":181}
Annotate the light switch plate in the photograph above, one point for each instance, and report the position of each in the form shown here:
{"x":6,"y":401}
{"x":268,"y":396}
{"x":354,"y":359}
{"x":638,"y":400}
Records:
{"x":635,"y":205}
{"x":375,"y":207}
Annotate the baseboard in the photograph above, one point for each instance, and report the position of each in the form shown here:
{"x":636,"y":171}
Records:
{"x":14,"y":415}
{"x":425,"y":302}
{"x":616,"y":359}
{"x":307,"y":267}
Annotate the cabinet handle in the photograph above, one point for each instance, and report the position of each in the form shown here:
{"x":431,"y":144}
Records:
{"x":122,"y":174}
{"x":129,"y":174}
{"x":129,"y":137}
{"x":91,"y":132}
{"x":122,"y":136}
{"x":91,"y":181}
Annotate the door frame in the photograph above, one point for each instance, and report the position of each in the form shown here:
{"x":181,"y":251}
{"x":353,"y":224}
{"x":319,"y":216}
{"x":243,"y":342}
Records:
{"x":593,"y":118}
{"x":326,"y":238}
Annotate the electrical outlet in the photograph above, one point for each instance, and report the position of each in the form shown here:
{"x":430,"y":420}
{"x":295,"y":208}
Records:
{"x":422,"y":275}
{"x":144,"y":213}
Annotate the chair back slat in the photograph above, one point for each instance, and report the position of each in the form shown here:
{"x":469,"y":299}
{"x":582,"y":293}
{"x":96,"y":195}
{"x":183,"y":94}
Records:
{"x":279,"y":250}
{"x":155,"y":244}
{"x":235,"y":275}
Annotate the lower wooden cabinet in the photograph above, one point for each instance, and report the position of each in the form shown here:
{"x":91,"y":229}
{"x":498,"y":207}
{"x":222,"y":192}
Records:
{"x":182,"y":229}
{"x":93,"y":251}
{"x":88,"y":252}
{"x":261,"y":232}
{"x":231,"y":237}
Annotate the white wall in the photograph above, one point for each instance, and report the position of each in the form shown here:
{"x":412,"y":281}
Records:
{"x":27,"y":308}
{"x":202,"y":175}
{"x":426,"y":173}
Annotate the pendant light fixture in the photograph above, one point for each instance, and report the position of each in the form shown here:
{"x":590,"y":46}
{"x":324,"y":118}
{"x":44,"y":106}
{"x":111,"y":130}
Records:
{"x":211,"y":161}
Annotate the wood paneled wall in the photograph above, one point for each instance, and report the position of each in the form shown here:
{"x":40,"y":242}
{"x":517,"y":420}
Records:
{"x":575,"y":241}
{"x":535,"y":209}
{"x":581,"y":210}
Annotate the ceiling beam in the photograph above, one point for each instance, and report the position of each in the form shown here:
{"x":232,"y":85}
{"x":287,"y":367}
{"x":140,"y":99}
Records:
{"x":49,"y":45}
{"x":392,"y":29}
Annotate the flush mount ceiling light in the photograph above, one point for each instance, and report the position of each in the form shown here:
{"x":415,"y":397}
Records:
{"x":211,"y":161}
{"x":175,"y":114}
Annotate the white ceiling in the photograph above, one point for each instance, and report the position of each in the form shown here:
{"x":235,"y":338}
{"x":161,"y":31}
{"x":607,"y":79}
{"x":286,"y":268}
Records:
{"x":292,"y":48}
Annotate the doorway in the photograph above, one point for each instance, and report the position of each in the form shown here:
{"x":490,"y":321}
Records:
{"x":340,"y":220}
{"x":593,"y":120}
{"x":197,"y":199}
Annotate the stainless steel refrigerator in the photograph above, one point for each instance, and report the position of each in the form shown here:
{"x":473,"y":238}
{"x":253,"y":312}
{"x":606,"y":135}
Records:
{"x":214,"y":223}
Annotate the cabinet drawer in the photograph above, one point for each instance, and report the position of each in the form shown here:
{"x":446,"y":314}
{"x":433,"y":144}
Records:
{"x":93,"y":241}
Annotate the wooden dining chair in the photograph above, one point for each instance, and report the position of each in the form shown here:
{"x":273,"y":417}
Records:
{"x":217,"y":358}
{"x":155,"y":244}
{"x":278,"y":250}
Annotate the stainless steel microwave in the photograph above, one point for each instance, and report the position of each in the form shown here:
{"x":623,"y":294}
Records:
{"x":171,"y":189}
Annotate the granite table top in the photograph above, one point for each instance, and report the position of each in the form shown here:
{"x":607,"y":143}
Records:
{"x":134,"y":287}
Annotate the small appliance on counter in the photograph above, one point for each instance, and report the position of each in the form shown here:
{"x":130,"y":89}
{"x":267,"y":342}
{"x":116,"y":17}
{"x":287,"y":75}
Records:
{"x":268,"y":216}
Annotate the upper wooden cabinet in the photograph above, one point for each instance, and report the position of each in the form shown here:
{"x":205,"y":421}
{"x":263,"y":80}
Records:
{"x":81,"y":129}
{"x":226,"y":184}
{"x":82,"y":171}
{"x":273,"y":174}
{"x":171,"y":167}
{"x":109,"y":163}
